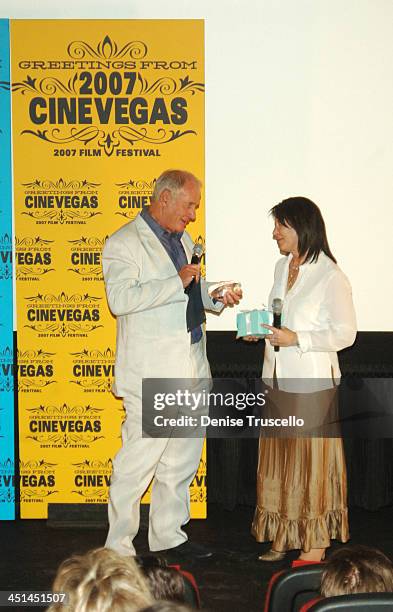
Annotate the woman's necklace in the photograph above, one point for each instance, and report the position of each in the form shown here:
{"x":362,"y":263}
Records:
{"x":292,"y":275}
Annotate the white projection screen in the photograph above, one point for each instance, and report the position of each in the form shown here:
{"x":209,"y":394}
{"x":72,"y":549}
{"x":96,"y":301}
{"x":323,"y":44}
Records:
{"x":299,"y":101}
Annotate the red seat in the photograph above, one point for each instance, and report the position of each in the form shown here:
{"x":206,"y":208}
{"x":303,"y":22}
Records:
{"x":290,"y":589}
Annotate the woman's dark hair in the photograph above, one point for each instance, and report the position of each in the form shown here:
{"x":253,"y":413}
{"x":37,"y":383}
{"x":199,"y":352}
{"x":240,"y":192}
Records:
{"x":305,"y":218}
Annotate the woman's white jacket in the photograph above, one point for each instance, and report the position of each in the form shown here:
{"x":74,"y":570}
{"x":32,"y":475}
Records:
{"x":320,"y":310}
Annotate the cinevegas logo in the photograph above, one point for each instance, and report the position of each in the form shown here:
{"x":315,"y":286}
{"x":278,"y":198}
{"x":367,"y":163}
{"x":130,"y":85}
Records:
{"x":198,"y":486}
{"x":133,"y":196}
{"x":61,"y":202}
{"x":65,"y":426}
{"x":63,"y":315}
{"x":7,"y":481}
{"x":93,"y":370}
{"x":85,"y":257}
{"x":5,"y":257}
{"x":37,"y":480}
{"x":34,"y":258}
{"x":6,"y":369}
{"x":92,"y":480}
{"x":107,"y":102}
{"x":35,"y":370}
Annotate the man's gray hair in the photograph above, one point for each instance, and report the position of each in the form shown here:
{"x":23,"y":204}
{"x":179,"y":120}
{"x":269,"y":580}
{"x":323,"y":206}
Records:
{"x":173,"y":180}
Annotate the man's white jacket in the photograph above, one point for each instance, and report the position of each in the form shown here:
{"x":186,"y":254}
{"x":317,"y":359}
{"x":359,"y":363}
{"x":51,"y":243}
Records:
{"x":146,"y":294}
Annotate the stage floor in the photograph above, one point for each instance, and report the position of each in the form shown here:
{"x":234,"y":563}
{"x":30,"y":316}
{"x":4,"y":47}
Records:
{"x":233,"y":580}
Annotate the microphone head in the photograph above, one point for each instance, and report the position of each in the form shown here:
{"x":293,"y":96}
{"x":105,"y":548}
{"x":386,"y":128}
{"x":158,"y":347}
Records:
{"x":198,"y":250}
{"x":277,"y":306}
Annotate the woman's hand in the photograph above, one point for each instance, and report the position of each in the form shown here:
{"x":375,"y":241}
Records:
{"x":251,"y":338}
{"x":281,"y":337}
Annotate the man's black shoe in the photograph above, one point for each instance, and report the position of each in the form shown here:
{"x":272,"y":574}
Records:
{"x":188,"y":551}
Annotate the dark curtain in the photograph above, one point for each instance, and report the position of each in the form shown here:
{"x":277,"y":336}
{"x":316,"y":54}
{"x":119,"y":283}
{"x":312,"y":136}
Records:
{"x":232,"y":463}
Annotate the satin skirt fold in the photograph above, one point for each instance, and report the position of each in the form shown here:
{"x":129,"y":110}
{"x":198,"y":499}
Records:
{"x":301,"y":493}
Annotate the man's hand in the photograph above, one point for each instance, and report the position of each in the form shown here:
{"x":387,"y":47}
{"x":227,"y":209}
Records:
{"x":188,"y":273}
{"x":230,"y":297}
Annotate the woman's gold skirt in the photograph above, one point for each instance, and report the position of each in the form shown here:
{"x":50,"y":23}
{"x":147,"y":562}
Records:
{"x":301,"y":492}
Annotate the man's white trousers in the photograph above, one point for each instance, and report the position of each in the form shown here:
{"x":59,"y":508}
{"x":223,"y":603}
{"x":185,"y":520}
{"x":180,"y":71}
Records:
{"x":170,"y":462}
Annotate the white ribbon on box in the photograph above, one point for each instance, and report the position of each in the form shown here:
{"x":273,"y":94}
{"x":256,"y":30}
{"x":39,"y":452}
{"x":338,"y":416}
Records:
{"x":247,"y":315}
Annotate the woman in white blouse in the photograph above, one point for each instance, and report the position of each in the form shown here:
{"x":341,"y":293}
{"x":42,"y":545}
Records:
{"x":301,"y":482}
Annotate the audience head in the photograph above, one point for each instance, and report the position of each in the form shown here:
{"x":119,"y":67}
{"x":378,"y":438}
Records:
{"x":357,"y":569}
{"x":165,"y":583}
{"x":167,"y":606}
{"x":99,"y":581}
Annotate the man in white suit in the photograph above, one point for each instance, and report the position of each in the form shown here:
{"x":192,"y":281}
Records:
{"x":159,"y":335}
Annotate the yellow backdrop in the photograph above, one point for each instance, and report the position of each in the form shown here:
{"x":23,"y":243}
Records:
{"x":100,"y":109}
